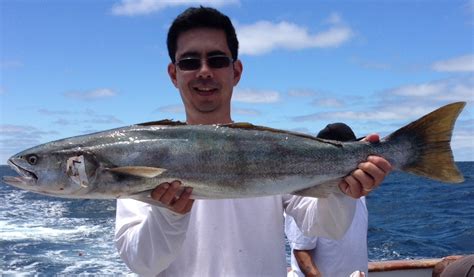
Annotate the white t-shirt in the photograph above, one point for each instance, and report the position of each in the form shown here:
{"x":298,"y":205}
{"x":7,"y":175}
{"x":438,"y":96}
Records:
{"x":334,"y":258}
{"x":232,"y":237}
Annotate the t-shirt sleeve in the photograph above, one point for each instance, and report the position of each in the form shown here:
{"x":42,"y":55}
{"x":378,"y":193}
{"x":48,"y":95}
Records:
{"x":321,"y":217}
{"x":296,"y":238}
{"x":148,"y":238}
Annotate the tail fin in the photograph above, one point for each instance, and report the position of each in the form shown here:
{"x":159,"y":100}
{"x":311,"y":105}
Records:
{"x":431,"y":136}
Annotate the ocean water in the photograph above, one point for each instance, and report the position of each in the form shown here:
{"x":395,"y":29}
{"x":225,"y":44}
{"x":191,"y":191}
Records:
{"x":409,"y":217}
{"x":413,"y":217}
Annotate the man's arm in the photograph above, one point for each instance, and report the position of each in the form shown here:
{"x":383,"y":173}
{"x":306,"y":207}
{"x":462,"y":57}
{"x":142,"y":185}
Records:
{"x":306,"y":263}
{"x":149,"y":238}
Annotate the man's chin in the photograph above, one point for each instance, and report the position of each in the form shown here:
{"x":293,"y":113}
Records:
{"x":207,"y":107}
{"x":206,"y":93}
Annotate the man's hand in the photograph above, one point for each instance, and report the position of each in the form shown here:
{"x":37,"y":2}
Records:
{"x":174,"y":196}
{"x":368,"y":174}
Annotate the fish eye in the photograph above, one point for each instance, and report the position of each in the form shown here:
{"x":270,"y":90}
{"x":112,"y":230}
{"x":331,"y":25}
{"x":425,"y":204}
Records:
{"x":32,"y":159}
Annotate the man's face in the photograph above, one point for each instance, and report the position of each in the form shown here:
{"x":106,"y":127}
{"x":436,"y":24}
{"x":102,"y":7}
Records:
{"x":205,"y":90}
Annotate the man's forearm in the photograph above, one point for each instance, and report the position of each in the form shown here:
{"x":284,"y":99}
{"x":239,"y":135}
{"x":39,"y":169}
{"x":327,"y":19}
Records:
{"x":306,"y":263}
{"x":148,"y":238}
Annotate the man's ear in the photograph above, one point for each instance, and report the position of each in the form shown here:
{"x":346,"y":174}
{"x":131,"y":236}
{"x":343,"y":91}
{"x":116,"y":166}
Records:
{"x":172,"y":73}
{"x":238,"y":68}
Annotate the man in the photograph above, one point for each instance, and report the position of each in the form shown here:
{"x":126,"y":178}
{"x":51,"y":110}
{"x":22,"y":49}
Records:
{"x":230,"y":237}
{"x":316,"y":256}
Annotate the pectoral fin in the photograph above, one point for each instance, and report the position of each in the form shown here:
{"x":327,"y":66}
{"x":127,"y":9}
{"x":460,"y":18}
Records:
{"x":139,"y":171}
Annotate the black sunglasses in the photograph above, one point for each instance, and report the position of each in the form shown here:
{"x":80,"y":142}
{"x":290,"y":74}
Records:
{"x":194,"y":63}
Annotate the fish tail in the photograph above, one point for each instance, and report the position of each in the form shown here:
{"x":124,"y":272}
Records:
{"x":430,"y":137}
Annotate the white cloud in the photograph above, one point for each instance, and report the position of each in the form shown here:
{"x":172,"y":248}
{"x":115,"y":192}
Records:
{"x":329,"y":102}
{"x":334,"y":18}
{"x":393,"y":114}
{"x":462,"y":145}
{"x":420,"y":90}
{"x":80,"y":117}
{"x":459,"y":64}
{"x":17,"y":131}
{"x":469,"y":6}
{"x":171,"y":109}
{"x":13,"y":130}
{"x":255,"y":96}
{"x":455,"y":89}
{"x":66,"y":122}
{"x":264,"y":36}
{"x":320,"y":98}
{"x":302,"y":93}
{"x":370,"y":64}
{"x":91,"y":95}
{"x":95,"y":119}
{"x":401,"y":103}
{"x":388,"y":110}
{"x":10,"y":64}
{"x":103,"y":119}
{"x":54,"y":113}
{"x":245,"y":112}
{"x":142,"y":7}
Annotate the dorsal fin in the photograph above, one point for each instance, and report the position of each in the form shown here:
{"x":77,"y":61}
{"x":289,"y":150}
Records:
{"x":163,"y":122}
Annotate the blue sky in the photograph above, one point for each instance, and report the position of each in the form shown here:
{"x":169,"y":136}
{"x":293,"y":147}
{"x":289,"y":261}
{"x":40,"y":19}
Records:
{"x":74,"y":67}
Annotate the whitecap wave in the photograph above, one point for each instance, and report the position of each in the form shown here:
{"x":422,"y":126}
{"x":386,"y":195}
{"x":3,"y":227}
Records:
{"x":25,"y":231}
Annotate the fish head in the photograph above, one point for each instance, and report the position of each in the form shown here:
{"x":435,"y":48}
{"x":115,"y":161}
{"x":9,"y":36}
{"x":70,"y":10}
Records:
{"x":52,"y":172}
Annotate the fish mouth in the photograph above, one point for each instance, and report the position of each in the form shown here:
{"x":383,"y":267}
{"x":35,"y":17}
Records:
{"x":26,"y":176}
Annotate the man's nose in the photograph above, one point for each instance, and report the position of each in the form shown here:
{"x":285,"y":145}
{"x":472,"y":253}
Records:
{"x":205,"y":71}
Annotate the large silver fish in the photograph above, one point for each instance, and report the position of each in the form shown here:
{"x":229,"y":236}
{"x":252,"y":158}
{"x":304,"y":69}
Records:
{"x":225,"y":161}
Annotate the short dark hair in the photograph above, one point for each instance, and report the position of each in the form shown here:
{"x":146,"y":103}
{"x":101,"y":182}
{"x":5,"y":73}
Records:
{"x":201,"y":17}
